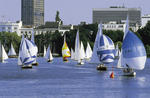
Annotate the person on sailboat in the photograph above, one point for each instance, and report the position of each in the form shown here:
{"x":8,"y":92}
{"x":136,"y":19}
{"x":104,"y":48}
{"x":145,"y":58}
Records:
{"x":128,"y":69}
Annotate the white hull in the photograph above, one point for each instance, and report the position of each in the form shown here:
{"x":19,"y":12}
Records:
{"x":80,"y":62}
{"x":129,"y":72}
{"x":132,"y":74}
{"x":26,"y":67}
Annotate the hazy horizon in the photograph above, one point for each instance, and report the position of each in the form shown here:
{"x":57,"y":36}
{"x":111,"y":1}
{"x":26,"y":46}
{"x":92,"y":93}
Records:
{"x":71,"y":12}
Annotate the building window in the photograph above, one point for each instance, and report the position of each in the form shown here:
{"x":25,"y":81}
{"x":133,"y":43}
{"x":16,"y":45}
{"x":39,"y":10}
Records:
{"x":15,"y":28}
{"x":120,"y":26}
{"x":3,"y":28}
{"x":9,"y":28}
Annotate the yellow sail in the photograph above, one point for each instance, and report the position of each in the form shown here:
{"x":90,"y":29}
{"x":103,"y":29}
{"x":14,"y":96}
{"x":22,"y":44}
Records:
{"x":65,"y":50}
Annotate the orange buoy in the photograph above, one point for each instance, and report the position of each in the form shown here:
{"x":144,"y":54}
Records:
{"x":112,"y":75}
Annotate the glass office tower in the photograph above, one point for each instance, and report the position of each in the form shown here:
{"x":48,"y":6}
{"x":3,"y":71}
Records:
{"x":32,"y":12}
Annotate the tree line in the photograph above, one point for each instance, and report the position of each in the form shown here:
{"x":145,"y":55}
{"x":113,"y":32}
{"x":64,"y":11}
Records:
{"x":87,"y":33}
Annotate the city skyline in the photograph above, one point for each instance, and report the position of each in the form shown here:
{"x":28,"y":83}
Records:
{"x":71,"y":12}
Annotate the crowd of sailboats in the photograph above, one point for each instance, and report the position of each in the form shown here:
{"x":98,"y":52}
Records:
{"x":131,"y":57}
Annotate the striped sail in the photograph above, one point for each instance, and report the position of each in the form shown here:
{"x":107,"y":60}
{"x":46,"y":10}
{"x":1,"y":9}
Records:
{"x":65,"y":50}
{"x":106,"y":49}
{"x":25,"y":52}
{"x":133,"y":51}
{"x":48,"y":54}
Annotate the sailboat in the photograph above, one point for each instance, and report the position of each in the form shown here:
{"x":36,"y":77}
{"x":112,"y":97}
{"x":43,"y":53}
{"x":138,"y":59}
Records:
{"x":48,"y":55}
{"x":133,"y":55}
{"x":12,"y":53}
{"x":78,"y":51}
{"x":3,"y":54}
{"x":25,"y":58}
{"x":94,"y":58}
{"x":35,"y":50}
{"x":88,"y":53}
{"x":82,"y":52}
{"x":44,"y":51}
{"x":105,"y":51}
{"x":117,"y":53}
{"x":65,"y":51}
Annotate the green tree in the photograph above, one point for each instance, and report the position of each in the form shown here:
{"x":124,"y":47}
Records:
{"x":148,"y":50}
{"x":145,"y":34}
{"x":7,"y":38}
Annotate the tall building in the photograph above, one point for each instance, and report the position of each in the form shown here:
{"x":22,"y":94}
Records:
{"x":32,"y":12}
{"x":118,"y":14}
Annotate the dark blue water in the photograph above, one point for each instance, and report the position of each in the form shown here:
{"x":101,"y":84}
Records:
{"x":67,"y":80}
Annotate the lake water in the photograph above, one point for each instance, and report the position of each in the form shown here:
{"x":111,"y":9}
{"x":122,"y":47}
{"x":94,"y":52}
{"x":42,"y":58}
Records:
{"x":67,"y":80}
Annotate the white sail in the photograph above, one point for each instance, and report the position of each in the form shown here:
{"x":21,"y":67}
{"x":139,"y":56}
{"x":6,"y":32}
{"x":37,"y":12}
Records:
{"x":49,"y":54}
{"x":25,"y":56}
{"x":72,"y":54}
{"x":121,"y":59}
{"x":77,"y":47}
{"x":32,"y":37}
{"x":82,"y":52}
{"x":3,"y":54}
{"x":35,"y":49}
{"x":117,"y":54}
{"x":88,"y":53}
{"x":94,"y":58}
{"x":44,"y":51}
{"x":11,"y":51}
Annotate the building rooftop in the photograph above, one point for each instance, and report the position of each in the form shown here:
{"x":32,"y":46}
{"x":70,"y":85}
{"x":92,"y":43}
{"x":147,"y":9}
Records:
{"x":116,"y":9}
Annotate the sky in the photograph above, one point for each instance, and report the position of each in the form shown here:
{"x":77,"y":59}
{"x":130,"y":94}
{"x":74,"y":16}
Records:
{"x":71,"y":11}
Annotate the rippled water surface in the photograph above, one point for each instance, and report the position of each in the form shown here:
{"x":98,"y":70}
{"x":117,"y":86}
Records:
{"x":68,"y":80}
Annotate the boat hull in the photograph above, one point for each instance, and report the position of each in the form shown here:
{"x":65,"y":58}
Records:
{"x":101,"y":67}
{"x":13,"y":56}
{"x":26,"y":67}
{"x":35,"y":64}
{"x":49,"y":60}
{"x":129,"y":72}
{"x":80,"y":63}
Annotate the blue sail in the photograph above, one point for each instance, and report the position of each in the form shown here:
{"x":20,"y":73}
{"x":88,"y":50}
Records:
{"x":106,"y":49}
{"x":133,"y":50}
{"x":26,"y":56}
